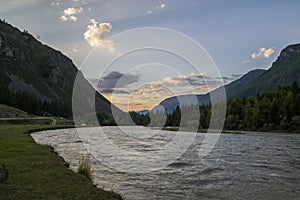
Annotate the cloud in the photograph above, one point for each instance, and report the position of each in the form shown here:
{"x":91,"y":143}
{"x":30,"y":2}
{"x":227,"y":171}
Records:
{"x":80,"y":1}
{"x":116,"y":82}
{"x":236,"y":76}
{"x":73,"y":11}
{"x":115,"y":91}
{"x":64,"y":18}
{"x":149,"y":12}
{"x":95,"y":34}
{"x":161,"y":6}
{"x":69,"y":14}
{"x":186,"y":84}
{"x":75,"y":49}
{"x":128,"y":91}
{"x":194,"y":80}
{"x":245,"y":61}
{"x":73,"y":18}
{"x":263,"y":53}
{"x":55,"y":3}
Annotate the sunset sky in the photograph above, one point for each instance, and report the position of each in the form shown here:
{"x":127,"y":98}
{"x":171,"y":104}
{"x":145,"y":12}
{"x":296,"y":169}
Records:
{"x":238,"y":35}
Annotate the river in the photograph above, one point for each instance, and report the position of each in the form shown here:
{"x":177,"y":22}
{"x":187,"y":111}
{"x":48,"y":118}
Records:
{"x":240,"y":166}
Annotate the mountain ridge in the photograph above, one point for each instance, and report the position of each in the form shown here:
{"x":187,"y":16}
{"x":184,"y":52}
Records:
{"x":38,"y":73}
{"x":284,"y":71}
{"x":231,"y":89}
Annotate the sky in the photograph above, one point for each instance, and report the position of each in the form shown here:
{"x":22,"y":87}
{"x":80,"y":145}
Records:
{"x":237,"y":36}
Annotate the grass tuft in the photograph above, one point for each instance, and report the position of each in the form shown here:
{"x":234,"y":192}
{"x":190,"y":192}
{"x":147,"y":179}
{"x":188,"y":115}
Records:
{"x":84,"y":168}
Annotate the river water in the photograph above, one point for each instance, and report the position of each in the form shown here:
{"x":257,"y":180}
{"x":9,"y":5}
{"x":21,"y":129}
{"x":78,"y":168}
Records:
{"x":240,"y":166}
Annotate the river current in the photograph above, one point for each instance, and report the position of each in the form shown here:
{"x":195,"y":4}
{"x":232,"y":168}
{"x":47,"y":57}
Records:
{"x":240,"y":166}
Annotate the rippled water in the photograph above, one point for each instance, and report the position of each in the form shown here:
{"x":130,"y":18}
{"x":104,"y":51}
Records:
{"x":240,"y":166}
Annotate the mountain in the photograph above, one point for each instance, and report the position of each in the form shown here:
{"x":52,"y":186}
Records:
{"x":233,"y":88}
{"x":39,"y":79}
{"x":231,"y":91}
{"x":284,"y":71}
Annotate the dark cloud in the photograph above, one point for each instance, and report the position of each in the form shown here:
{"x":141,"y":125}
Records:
{"x":107,"y":91}
{"x":116,"y":81}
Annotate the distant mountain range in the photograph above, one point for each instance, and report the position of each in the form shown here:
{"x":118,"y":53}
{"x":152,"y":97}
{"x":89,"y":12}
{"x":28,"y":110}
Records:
{"x":38,"y":73}
{"x":284,"y":71}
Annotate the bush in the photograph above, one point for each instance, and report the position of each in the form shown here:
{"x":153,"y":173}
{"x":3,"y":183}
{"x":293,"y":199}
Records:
{"x":84,"y":168}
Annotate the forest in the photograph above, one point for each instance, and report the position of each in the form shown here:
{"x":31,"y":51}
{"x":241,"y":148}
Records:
{"x":30,"y":103}
{"x":278,"y":110}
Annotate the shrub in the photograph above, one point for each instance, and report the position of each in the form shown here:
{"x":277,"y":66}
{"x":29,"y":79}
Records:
{"x":84,"y":168}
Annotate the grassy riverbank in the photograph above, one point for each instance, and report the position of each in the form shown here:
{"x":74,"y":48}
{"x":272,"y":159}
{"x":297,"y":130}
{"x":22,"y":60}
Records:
{"x":36,"y":173}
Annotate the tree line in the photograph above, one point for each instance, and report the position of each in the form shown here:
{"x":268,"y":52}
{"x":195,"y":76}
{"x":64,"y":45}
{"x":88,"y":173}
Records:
{"x":272,"y":111}
{"x":30,"y":103}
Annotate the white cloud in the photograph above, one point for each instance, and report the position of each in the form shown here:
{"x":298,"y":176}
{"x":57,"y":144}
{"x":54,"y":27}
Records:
{"x":69,"y":14}
{"x":263,"y":53}
{"x":95,"y":35}
{"x":64,"y":18}
{"x":55,"y":3}
{"x":73,"y":18}
{"x":73,"y":11}
{"x":161,"y":6}
{"x":93,"y":21}
{"x":149,"y":12}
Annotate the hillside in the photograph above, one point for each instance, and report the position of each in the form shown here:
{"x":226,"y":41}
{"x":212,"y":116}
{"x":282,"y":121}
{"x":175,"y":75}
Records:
{"x":10,"y":112}
{"x":37,"y":78}
{"x":284,"y":71}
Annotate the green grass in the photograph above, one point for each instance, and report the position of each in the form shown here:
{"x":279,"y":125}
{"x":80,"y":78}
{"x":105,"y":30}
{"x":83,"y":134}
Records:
{"x":36,"y":173}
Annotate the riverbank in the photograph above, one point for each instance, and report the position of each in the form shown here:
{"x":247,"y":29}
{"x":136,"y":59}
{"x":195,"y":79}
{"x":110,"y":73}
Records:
{"x":33,"y":172}
{"x":170,"y":128}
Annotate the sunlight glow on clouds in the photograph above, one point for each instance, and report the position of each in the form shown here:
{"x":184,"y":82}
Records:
{"x":95,"y":34}
{"x":263,"y":53}
{"x":69,"y":14}
{"x":129,"y":92}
